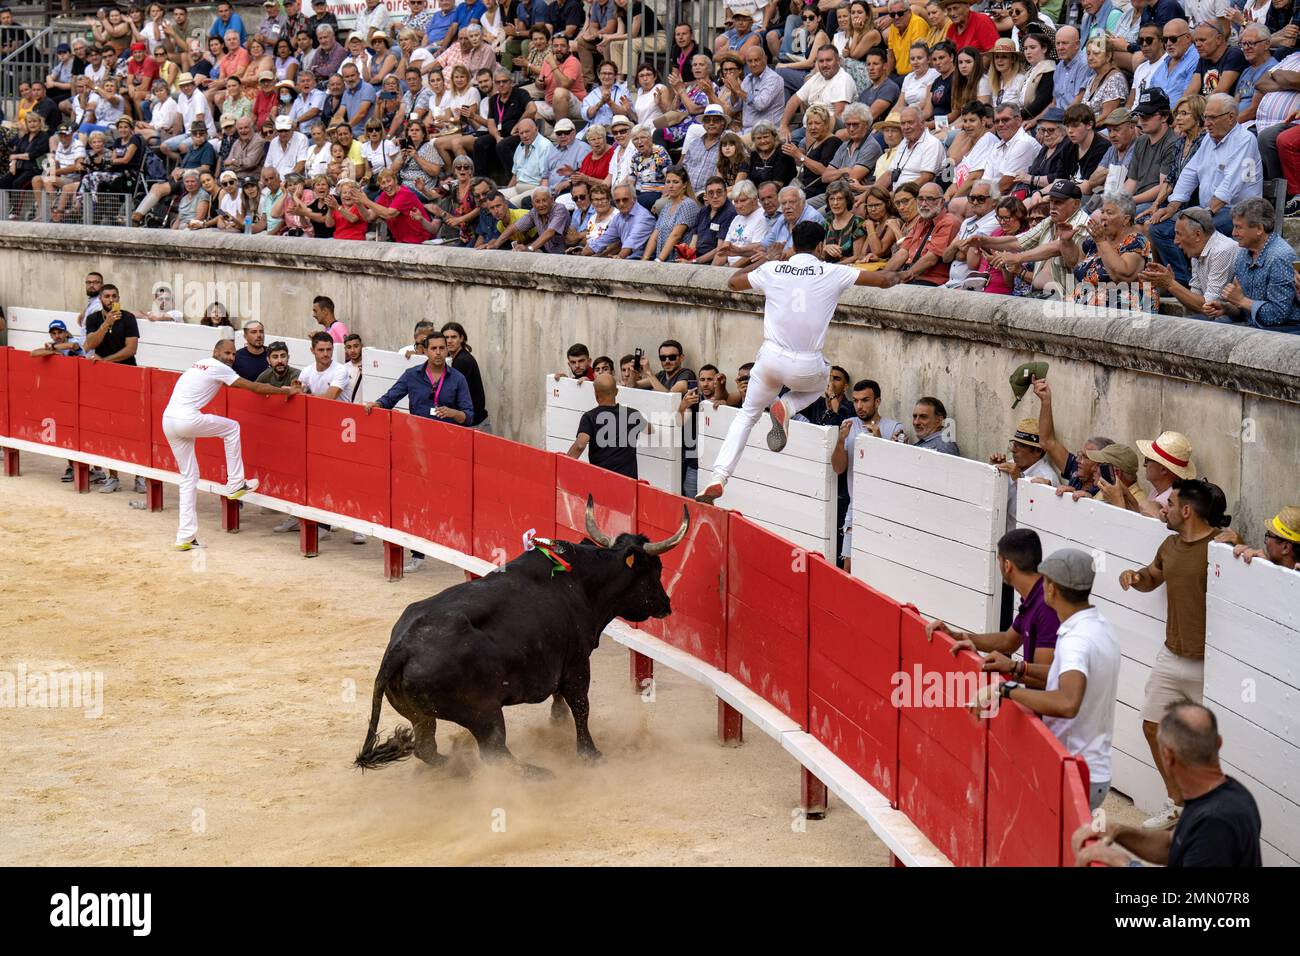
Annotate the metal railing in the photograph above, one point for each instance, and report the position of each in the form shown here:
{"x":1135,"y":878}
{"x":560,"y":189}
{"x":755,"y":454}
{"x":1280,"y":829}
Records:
{"x":104,"y":209}
{"x":32,"y":61}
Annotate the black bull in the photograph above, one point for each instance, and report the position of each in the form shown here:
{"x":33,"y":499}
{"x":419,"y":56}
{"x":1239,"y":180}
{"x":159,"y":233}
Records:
{"x":516,"y":636}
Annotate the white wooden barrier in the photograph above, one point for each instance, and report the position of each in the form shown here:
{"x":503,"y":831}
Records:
{"x":658,"y":454}
{"x":792,"y":492}
{"x":380,"y":369}
{"x":1252,"y":683}
{"x":170,"y":345}
{"x":1118,"y":540}
{"x":925,"y":530}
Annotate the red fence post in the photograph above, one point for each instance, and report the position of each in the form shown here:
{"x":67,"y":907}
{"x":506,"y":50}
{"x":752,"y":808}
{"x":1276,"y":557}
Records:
{"x":229,"y":515}
{"x":309,"y":538}
{"x":393,"y":563}
{"x":154,"y":493}
{"x":12,"y":467}
{"x":731,"y":725}
{"x":81,"y":477}
{"x":812,"y":795}
{"x":643,"y":671}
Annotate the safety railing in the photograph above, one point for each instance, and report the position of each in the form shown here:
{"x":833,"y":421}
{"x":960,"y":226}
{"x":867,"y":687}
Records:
{"x":75,"y":208}
{"x":806,"y":653}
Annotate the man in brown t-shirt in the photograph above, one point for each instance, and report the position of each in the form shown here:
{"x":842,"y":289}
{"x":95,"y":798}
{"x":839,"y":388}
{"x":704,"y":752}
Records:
{"x":1195,"y":515}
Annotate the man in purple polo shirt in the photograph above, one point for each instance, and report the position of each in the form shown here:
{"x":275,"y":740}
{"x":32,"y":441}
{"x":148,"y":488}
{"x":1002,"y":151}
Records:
{"x":1034,"y":628}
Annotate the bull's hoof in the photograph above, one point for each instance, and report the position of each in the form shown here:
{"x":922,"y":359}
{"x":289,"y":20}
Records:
{"x":592,"y":756}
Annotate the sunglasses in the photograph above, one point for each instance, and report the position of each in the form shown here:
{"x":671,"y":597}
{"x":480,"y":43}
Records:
{"x":974,"y":198}
{"x":669,"y":358}
{"x":1146,"y":41}
{"x":1169,"y":40}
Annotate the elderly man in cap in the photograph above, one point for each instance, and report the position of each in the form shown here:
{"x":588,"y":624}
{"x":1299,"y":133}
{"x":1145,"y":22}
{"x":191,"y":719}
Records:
{"x":1121,"y":128}
{"x":65,"y":174}
{"x":968,"y":27}
{"x":1281,"y":540}
{"x":743,"y":32}
{"x":1213,"y":259}
{"x":1041,"y":242}
{"x":193,"y":106}
{"x":1078,"y":702}
{"x":565,"y":159}
{"x":200,"y":158}
{"x":1028,"y":459}
{"x":287,"y":151}
{"x":1117,"y":468}
{"x":1195,"y":515}
{"x":273,"y":25}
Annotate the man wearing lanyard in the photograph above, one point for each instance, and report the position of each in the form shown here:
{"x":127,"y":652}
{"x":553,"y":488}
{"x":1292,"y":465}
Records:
{"x":435,"y":390}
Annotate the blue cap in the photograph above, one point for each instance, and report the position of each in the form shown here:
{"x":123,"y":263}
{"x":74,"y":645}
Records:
{"x":58,"y":324}
{"x":1053,"y":115}
{"x":63,"y":48}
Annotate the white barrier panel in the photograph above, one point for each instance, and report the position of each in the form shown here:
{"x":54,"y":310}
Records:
{"x":1118,"y":540}
{"x":30,"y":328}
{"x":381,"y":369}
{"x":925,"y":530}
{"x":169,"y":345}
{"x":658,"y":455}
{"x":1252,"y":683}
{"x":792,"y":493}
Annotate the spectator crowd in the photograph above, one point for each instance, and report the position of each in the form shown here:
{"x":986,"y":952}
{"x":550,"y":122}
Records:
{"x":1103,"y":153}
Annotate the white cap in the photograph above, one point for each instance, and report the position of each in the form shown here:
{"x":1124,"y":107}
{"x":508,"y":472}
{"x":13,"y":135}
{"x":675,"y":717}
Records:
{"x":283,"y":122}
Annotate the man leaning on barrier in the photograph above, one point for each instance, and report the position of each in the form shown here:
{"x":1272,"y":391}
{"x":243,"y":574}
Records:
{"x":1281,"y":540}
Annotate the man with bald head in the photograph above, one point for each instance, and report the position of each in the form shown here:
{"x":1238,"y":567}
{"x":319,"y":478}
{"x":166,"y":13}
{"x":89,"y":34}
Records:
{"x":1178,"y":73}
{"x":920,"y":156}
{"x":608,"y":432}
{"x":1225,"y":170}
{"x":1071,"y":71}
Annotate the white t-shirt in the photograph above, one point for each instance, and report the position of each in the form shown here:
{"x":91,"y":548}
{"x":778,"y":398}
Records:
{"x":165,"y":114}
{"x":915,"y":88}
{"x":317,"y":383}
{"x":93,"y":102}
{"x":197,"y":386}
{"x":646,"y":106}
{"x":840,"y":88}
{"x":1086,"y":643}
{"x":927,"y":156}
{"x":66,"y":156}
{"x":1012,"y":156}
{"x":284,"y":159}
{"x":381,"y":157}
{"x":745,"y":230}
{"x":318,"y":159}
{"x":801,"y":295}
{"x":1142,"y":76}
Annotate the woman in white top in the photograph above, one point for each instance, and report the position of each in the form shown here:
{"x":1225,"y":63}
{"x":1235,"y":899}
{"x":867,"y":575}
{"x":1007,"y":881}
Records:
{"x":1006,"y":74}
{"x":465,"y":96}
{"x":111,"y":104}
{"x":440,"y":112}
{"x":493,"y":24}
{"x":318,"y":153}
{"x":378,"y":152}
{"x":1037,"y":94}
{"x":916,"y":85}
{"x":652,"y":99}
{"x":154,"y":30}
{"x":1019,"y":15}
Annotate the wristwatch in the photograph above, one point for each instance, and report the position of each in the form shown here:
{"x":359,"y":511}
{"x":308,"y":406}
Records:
{"x":1006,"y":687}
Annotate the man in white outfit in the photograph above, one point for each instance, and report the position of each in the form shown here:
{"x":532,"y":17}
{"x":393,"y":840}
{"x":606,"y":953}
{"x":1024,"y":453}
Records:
{"x":183,"y":422}
{"x":801,"y":295}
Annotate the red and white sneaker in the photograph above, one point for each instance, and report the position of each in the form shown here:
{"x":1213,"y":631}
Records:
{"x":712,"y":491}
{"x":780,"y":422}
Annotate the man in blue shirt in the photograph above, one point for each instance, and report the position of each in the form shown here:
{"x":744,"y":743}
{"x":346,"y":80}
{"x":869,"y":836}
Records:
{"x":1263,"y":293}
{"x":794,"y":210}
{"x":1225,"y":170}
{"x":1175,"y":72}
{"x":442,"y":26}
{"x":227,"y":19}
{"x":358,"y":99}
{"x":435,"y":389}
{"x":628,"y":232}
{"x":1071,"y":71}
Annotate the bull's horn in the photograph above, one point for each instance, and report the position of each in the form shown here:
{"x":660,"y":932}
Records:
{"x":659,"y":547}
{"x":593,"y":532}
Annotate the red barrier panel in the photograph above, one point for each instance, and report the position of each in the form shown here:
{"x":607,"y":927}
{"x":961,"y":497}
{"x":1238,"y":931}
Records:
{"x":514,"y":493}
{"x":348,"y":459}
{"x":4,"y":391}
{"x":614,"y":496}
{"x":942,"y":750}
{"x":1024,"y":790}
{"x":43,"y":399}
{"x":433,"y":480}
{"x":273,"y":436}
{"x":694,"y":575}
{"x":767,"y":616}
{"x":113,"y":410}
{"x":853,"y":654}
{"x":210,"y":451}
{"x":1075,"y":811}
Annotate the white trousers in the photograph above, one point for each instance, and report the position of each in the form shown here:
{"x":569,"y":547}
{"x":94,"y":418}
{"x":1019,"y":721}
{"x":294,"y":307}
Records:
{"x":804,"y":373}
{"x":181,"y":432}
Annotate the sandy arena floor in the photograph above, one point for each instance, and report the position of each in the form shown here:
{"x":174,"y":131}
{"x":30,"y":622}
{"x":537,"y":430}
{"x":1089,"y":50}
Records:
{"x":236,"y":690}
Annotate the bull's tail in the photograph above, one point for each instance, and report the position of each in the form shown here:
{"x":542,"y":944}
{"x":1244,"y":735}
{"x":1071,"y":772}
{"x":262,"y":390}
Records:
{"x":399,"y":746}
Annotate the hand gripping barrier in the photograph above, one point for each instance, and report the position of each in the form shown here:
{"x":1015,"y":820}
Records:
{"x":808,"y":654}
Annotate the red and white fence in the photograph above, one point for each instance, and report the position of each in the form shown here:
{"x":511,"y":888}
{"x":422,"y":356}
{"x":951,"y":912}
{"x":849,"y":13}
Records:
{"x":785,"y":640}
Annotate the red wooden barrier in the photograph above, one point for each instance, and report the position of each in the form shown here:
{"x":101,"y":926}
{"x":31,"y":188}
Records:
{"x":514,"y":493}
{"x":348,"y":459}
{"x":1024,"y":790}
{"x":614,"y":496}
{"x":767,"y":616}
{"x":942,"y":750}
{"x":113,"y":411}
{"x":273,"y":436}
{"x":4,"y":391}
{"x":853,"y":654}
{"x":1075,"y":811}
{"x":43,"y":399}
{"x":210,"y":451}
{"x":694,"y":575}
{"x":433,"y":480}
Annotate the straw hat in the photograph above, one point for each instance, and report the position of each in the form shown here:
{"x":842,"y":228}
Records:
{"x":1173,"y":450}
{"x":1027,"y":433}
{"x":1286,"y":523}
{"x":890,"y":120}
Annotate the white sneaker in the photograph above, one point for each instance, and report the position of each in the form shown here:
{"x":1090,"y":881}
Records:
{"x":285,"y":526}
{"x":138,"y":505}
{"x":110,"y":486}
{"x":1166,"y":817}
{"x":358,"y":537}
{"x":412,"y":565}
{"x":139,"y":485}
{"x":97,"y":475}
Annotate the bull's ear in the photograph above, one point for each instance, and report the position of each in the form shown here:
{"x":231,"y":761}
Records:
{"x":630,"y":560}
